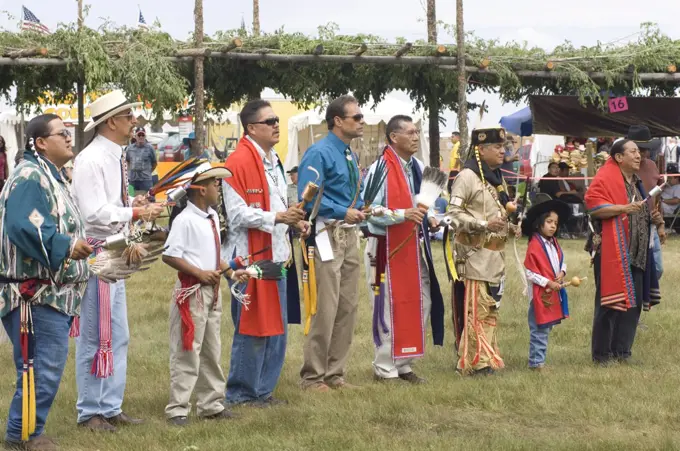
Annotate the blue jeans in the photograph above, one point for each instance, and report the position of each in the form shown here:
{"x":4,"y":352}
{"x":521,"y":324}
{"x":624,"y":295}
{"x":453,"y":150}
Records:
{"x":658,"y":261}
{"x":101,"y":396}
{"x":256,"y":362}
{"x":538,"y":340}
{"x":50,"y":343}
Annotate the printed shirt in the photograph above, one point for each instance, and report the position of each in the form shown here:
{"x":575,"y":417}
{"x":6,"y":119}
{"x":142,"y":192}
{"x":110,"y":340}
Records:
{"x":534,"y":278}
{"x":192,"y":238}
{"x":97,"y":188}
{"x":141,"y":161}
{"x":241,"y":217}
{"x":37,"y":196}
{"x":638,"y":227}
{"x":329,"y":157}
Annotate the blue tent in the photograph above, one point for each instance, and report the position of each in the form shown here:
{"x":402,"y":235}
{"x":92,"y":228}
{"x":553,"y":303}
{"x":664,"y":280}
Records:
{"x":520,"y":123}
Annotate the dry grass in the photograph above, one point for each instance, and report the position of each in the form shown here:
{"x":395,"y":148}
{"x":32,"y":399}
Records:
{"x":574,"y":406}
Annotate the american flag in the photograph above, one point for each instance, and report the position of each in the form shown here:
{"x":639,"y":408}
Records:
{"x":141,"y":23}
{"x":31,"y":23}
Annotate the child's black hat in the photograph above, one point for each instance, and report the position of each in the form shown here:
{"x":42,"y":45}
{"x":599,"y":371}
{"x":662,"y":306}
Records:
{"x":562,"y":209}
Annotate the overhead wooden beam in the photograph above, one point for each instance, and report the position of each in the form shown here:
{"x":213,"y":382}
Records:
{"x":445,"y":62}
{"x":27,"y":53}
{"x":403,"y":50}
{"x":234,"y":44}
{"x":195,"y":52}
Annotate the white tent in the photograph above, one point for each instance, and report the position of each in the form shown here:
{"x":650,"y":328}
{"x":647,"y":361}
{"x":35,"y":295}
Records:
{"x":308,"y":127}
{"x":9,"y":124}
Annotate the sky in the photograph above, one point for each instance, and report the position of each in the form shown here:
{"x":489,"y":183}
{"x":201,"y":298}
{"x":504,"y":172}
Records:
{"x":538,"y":22}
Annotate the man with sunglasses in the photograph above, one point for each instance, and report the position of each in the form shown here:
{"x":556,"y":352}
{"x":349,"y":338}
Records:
{"x":336,"y":259}
{"x":100,"y":188}
{"x":141,"y":160}
{"x":259,"y":218}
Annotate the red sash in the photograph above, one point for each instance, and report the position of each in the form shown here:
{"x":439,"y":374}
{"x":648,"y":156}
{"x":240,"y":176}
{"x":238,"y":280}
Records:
{"x":263,"y":317}
{"x":616,"y":281}
{"x":537,"y":261}
{"x":403,"y":271}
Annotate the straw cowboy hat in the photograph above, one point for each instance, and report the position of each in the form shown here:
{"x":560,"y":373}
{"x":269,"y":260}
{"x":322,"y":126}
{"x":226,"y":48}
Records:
{"x":108,"y":106}
{"x":206,"y":171}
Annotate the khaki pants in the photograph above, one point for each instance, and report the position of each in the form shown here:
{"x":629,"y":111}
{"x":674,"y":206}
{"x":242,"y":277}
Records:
{"x":197,"y":370}
{"x":326,"y":348}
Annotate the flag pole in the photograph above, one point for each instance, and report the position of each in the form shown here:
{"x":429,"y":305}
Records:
{"x":80,"y":88}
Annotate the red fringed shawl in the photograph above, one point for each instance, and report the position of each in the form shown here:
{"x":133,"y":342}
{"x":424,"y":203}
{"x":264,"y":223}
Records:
{"x":403,"y":270}
{"x":538,"y":261}
{"x":616,"y":281}
{"x":263,"y":316}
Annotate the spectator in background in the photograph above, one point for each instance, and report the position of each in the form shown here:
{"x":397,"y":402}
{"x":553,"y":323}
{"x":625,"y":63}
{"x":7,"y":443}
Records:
{"x":4,"y":166}
{"x":292,"y":187}
{"x":548,"y":184}
{"x":510,"y":163}
{"x":650,"y":177}
{"x":454,"y":161}
{"x":670,"y":197}
{"x":141,"y":160}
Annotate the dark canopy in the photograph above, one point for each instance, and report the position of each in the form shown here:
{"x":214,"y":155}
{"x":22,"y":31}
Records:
{"x":564,"y":115}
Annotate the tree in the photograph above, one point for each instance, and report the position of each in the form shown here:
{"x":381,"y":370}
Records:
{"x":199,"y":82}
{"x":256,"y":17}
{"x":462,"y":79}
{"x":433,"y":101}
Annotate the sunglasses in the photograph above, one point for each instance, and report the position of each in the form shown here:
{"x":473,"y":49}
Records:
{"x":356,"y":117}
{"x":272,"y":121}
{"x":129,"y":115}
{"x":63,"y":133}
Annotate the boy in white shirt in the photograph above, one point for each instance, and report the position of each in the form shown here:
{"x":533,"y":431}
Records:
{"x":193,"y":249}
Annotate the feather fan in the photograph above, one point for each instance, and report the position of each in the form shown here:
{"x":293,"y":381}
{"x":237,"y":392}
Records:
{"x":431,"y":187}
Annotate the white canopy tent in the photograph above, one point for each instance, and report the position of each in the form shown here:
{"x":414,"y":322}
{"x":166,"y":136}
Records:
{"x":308,"y":127}
{"x":9,"y":125}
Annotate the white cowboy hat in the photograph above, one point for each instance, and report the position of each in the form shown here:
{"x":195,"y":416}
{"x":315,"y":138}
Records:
{"x":108,"y":106}
{"x":207,"y":171}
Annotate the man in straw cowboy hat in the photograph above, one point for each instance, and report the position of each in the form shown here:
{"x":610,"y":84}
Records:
{"x":100,"y":188}
{"x":478,"y":212}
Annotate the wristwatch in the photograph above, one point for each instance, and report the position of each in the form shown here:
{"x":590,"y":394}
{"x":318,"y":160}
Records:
{"x":484,"y":224}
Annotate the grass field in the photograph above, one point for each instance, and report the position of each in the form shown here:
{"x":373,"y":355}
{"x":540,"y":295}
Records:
{"x":574,"y":406}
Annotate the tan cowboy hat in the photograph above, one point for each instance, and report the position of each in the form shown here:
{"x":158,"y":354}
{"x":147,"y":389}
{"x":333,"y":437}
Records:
{"x":108,"y":106}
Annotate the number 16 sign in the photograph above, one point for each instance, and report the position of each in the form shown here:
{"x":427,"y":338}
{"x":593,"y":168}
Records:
{"x":618,"y":105}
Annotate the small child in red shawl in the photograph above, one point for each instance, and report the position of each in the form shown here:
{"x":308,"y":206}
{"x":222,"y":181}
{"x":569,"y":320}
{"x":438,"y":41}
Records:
{"x":545,"y":271}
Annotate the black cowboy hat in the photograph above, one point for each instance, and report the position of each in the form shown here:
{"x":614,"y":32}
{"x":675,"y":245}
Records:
{"x":562,"y":209}
{"x":641,"y":135}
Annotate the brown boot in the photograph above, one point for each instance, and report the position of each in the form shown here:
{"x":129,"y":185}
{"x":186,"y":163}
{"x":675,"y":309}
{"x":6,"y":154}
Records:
{"x":318,"y":387}
{"x":123,"y":419}
{"x":97,"y":424}
{"x":341,"y":384}
{"x":41,"y":443}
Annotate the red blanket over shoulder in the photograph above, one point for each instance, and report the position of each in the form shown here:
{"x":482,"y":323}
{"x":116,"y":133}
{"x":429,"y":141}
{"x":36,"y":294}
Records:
{"x":403,"y":269}
{"x":263,"y":317}
{"x":537,"y":261}
{"x":616,"y":281}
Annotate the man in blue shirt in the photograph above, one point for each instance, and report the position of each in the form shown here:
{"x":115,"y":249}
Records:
{"x":141,"y":160}
{"x":331,"y":329}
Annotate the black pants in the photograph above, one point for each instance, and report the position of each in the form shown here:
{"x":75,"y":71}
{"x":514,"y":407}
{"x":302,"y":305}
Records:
{"x":614,"y":330}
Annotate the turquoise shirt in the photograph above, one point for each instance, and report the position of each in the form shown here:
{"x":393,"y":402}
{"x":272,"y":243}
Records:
{"x":334,"y":160}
